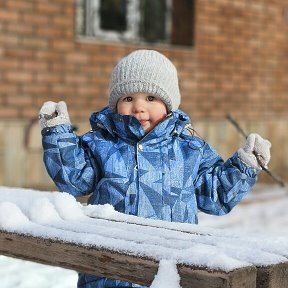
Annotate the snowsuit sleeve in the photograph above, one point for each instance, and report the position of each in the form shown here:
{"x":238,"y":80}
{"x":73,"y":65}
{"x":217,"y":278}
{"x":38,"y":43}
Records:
{"x":221,"y":185}
{"x":68,"y":161}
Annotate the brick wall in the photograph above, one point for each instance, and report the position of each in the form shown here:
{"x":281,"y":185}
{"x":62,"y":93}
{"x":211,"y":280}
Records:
{"x":242,"y":58}
{"x":238,"y":65}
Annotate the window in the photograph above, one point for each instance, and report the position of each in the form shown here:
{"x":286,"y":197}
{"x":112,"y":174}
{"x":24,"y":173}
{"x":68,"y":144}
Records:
{"x":139,"y":21}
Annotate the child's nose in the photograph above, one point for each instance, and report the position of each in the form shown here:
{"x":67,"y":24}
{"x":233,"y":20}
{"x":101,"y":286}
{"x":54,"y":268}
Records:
{"x":139,"y":106}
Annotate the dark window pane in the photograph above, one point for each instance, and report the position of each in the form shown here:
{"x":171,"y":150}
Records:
{"x":113,"y":15}
{"x":153,"y":20}
{"x":183,"y":22}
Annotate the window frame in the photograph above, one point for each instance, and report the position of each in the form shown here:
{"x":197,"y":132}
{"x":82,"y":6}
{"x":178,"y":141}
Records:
{"x":84,"y":30}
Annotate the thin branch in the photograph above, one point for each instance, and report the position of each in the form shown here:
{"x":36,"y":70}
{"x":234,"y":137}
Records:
{"x":265,"y":169}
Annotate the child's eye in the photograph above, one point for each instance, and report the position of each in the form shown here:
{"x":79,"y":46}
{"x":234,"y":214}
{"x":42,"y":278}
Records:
{"x":128,"y":99}
{"x":150,"y":98}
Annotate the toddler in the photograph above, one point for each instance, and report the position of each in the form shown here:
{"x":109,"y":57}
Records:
{"x":141,"y":156}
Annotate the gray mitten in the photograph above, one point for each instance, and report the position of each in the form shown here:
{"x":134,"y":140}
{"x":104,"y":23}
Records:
{"x":256,"y":152}
{"x":52,"y":114}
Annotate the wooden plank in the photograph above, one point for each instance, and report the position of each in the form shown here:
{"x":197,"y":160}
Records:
{"x":94,"y":260}
{"x":273,"y":276}
{"x":205,"y":278}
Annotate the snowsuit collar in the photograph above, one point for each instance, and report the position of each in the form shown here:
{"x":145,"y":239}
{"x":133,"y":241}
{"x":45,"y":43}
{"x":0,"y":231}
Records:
{"x":128,"y":127}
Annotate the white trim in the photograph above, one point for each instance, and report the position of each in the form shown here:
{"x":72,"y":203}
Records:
{"x":133,"y":17}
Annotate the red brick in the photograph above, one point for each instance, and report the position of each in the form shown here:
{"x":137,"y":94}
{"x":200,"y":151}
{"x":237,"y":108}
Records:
{"x":15,"y":28}
{"x":48,"y":8}
{"x":29,"y":113}
{"x":18,"y":52}
{"x":8,"y":112}
{"x":76,"y":57}
{"x":34,"y":42}
{"x":20,"y":100}
{"x":36,"y":88}
{"x":48,"y":55}
{"x":20,"y":5}
{"x":61,"y":67}
{"x":9,"y":88}
{"x":88,"y":90}
{"x":18,"y":76}
{"x":63,"y":89}
{"x":8,"y":16}
{"x":62,"y":45}
{"x":9,"y":64}
{"x":76,"y":79}
{"x":48,"y":31}
{"x":63,"y":22}
{"x":48,"y":77}
{"x":9,"y":40}
{"x":33,"y":65}
{"x":36,"y":19}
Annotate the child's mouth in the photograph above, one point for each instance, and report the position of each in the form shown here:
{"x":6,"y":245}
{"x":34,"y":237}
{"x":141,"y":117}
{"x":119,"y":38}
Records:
{"x":143,"y":122}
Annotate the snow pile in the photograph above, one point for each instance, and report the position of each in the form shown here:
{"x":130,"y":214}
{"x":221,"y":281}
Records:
{"x":167,"y":276}
{"x":11,"y":217}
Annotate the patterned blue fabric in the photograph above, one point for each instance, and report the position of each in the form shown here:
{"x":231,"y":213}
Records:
{"x":166,"y":174}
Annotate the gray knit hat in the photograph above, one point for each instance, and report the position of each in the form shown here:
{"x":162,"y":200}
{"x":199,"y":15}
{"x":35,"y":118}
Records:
{"x":145,"y":71}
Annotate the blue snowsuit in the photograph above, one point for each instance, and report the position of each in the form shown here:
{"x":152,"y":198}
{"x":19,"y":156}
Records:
{"x":166,"y":174}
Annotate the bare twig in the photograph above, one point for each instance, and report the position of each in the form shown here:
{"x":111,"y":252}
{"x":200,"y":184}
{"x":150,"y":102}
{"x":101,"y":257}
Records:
{"x":241,"y":131}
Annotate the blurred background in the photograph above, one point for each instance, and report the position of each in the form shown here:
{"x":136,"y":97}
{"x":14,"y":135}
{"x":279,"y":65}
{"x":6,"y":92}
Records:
{"x":231,"y":56}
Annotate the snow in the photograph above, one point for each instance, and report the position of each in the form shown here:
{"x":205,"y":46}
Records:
{"x":167,"y":276}
{"x":25,"y":274}
{"x":254,"y":233}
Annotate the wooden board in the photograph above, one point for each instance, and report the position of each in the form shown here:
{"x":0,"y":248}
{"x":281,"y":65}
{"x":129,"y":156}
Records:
{"x":101,"y":262}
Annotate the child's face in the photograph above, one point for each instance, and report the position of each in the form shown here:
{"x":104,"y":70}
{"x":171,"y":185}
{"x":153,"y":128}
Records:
{"x":148,"y":109}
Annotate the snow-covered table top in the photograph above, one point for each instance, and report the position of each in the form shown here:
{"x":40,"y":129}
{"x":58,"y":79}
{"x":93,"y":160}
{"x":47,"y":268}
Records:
{"x":55,"y":218}
{"x":59,"y":216}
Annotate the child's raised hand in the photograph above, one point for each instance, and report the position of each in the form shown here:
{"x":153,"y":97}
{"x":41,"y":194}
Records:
{"x":255,"y":152}
{"x":52,"y":114}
